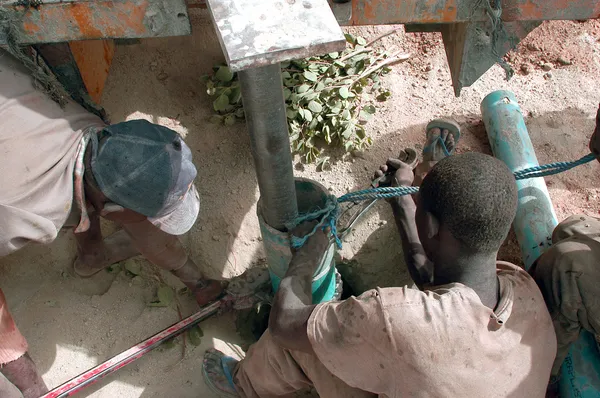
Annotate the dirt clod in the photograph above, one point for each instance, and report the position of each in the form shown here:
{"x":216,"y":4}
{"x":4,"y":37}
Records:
{"x":563,"y":60}
{"x":526,"y":69}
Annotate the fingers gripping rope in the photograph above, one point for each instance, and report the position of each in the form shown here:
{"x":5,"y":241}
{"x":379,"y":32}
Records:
{"x":329,"y":215}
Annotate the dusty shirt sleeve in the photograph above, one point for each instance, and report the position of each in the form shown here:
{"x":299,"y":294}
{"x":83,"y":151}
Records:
{"x":347,"y":337}
{"x":567,"y":275}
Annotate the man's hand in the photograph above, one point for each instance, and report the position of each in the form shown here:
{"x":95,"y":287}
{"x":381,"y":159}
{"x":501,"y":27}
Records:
{"x":306,"y":258}
{"x":402,"y":173}
{"x":318,"y":242}
{"x":595,"y":140}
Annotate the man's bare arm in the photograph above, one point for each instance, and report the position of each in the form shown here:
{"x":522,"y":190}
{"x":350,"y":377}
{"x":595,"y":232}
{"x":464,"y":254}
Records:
{"x":404,"y":209}
{"x":419,"y":266}
{"x":292,"y":306}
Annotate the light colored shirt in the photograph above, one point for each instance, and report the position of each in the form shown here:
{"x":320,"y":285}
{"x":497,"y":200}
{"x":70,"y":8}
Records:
{"x":39,"y":145}
{"x":568,"y":275}
{"x":443,"y":342}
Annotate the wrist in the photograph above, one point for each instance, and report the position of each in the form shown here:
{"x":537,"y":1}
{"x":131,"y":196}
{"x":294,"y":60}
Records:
{"x":402,"y":203}
{"x":302,"y":265}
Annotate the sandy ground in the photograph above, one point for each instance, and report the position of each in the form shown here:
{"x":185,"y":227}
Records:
{"x":73,"y":324}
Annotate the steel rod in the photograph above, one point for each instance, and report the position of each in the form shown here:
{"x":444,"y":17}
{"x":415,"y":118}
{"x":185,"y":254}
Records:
{"x":117,"y":362}
{"x":264,"y":105}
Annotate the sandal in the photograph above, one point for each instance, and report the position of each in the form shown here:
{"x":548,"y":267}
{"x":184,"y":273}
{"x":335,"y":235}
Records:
{"x":217,"y":370}
{"x":441,"y":124}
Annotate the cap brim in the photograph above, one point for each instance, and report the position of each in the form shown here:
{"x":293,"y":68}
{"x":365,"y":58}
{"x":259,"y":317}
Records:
{"x":180,"y":220}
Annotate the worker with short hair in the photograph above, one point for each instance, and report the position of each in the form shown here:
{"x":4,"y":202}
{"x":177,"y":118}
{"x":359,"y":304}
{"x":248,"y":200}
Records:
{"x":474,"y":327}
{"x":568,"y":274}
{"x":65,"y":168}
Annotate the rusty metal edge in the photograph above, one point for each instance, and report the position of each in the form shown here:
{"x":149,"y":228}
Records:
{"x":101,"y":19}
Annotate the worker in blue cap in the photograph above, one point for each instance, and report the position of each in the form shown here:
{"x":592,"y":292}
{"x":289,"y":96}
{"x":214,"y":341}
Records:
{"x":65,"y":168}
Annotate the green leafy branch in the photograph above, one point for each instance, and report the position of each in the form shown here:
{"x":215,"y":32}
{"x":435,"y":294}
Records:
{"x":326,"y":105}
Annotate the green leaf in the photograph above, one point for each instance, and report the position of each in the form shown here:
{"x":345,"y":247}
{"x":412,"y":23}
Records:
{"x":310,"y":95}
{"x":165,"y":294}
{"x":221,"y":103}
{"x":327,"y":134}
{"x":323,"y":163}
{"x":311,"y":76}
{"x":167,"y":345}
{"x":224,"y":74}
{"x":315,"y":107}
{"x":286,"y":93}
{"x":350,"y":38}
{"x":370,"y":109}
{"x":239,"y":113}
{"x":195,"y":334}
{"x":320,"y":86}
{"x":360,"y":132}
{"x":343,"y":91}
{"x":363,"y":115}
{"x":291,"y":114}
{"x":346,"y":114}
{"x":349,"y":132}
{"x":333,"y":55}
{"x":384,"y":96}
{"x":308,"y":115}
{"x":302,"y":89}
{"x":285,"y":75}
{"x":235,"y":96}
{"x":229,"y":120}
{"x":361,"y":41}
{"x":314,"y":67}
{"x":133,"y":267}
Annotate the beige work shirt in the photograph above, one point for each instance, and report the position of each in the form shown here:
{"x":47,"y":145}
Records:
{"x":443,"y":342}
{"x":39,"y":143}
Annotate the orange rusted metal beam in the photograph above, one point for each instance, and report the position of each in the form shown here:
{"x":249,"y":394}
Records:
{"x":93,"y":59}
{"x":58,"y":21}
{"x":380,"y":12}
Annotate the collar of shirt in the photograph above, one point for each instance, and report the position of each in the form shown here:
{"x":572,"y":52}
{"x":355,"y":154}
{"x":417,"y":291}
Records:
{"x":505,"y":303}
{"x":78,"y":189}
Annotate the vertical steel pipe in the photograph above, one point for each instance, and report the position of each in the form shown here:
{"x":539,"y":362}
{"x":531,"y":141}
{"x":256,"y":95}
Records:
{"x":510,"y":143}
{"x":264,"y":105}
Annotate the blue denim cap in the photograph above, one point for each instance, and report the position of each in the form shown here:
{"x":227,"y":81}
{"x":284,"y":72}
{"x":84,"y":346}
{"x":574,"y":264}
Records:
{"x":147,"y":168}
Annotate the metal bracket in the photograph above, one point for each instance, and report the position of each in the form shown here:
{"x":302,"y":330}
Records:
{"x":255,"y":33}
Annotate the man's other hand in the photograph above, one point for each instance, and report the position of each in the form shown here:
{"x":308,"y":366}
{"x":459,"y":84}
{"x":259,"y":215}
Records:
{"x":402,"y":173}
